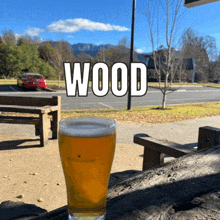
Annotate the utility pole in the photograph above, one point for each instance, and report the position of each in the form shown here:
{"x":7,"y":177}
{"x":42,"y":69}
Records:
{"x":131,"y":55}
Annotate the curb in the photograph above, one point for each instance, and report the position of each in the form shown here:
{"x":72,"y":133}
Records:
{"x":49,"y":90}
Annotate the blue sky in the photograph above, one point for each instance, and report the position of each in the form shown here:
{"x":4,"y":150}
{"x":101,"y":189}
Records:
{"x":100,"y":22}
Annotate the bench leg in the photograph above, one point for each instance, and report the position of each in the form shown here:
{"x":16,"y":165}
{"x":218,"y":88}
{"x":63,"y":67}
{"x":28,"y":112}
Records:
{"x":44,"y":129}
{"x":55,"y":124}
{"x":208,"y":137}
{"x":152,"y":158}
{"x":37,"y":129}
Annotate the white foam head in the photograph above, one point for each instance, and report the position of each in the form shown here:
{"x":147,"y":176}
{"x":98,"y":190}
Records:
{"x":87,"y":127}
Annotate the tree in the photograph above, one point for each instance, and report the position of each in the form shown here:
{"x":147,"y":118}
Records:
{"x":9,"y":37}
{"x":82,"y":58}
{"x":63,"y":53}
{"x":1,"y":41}
{"x":46,"y":69}
{"x":214,"y":70}
{"x":29,"y":55}
{"x":124,"y":42}
{"x":163,"y":57}
{"x":10,"y":64}
{"x":103,"y":56}
{"x":46,"y":52}
{"x":203,"y":49}
{"x":116,"y":54}
{"x":56,"y":53}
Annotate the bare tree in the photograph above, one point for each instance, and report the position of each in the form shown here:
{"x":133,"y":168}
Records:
{"x":82,"y":58}
{"x":62,"y":53}
{"x":124,"y":42}
{"x":9,"y":37}
{"x":164,"y":60}
{"x":204,"y":51}
{"x":103,"y":55}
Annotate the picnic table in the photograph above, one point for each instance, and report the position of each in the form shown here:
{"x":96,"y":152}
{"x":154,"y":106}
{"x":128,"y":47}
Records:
{"x":47,"y":110}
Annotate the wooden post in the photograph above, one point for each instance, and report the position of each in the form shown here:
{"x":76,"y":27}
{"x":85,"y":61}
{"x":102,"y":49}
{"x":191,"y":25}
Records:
{"x":44,"y":129}
{"x":208,"y":137}
{"x":152,"y":158}
{"x":56,"y":118}
{"x":37,"y":129}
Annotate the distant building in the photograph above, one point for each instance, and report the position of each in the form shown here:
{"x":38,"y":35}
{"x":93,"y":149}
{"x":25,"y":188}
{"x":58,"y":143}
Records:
{"x":185,"y":65}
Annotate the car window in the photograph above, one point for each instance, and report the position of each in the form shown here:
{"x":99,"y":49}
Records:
{"x":24,"y":76}
{"x":35,"y":77}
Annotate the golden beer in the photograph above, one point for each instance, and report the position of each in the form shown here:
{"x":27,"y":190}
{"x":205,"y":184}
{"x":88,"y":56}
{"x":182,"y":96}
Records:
{"x":87,"y":146}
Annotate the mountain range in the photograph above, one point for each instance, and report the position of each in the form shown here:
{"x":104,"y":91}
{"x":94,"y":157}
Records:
{"x":93,"y":49}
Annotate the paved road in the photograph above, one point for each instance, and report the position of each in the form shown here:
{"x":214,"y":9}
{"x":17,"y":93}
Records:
{"x":153,"y":97}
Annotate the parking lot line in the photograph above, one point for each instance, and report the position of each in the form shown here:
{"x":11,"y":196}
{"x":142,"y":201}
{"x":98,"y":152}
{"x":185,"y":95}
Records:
{"x":105,"y":105}
{"x":13,"y":88}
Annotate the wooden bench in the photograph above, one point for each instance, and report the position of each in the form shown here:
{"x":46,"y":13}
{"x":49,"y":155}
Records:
{"x":48,"y":111}
{"x":156,"y":149}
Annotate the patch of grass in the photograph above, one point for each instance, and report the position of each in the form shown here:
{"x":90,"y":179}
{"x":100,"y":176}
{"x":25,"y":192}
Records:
{"x":153,"y":114}
{"x":213,"y":85}
{"x":156,"y":84}
{"x":8,"y":81}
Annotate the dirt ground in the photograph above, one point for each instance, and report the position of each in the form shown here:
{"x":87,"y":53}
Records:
{"x":34,"y":175}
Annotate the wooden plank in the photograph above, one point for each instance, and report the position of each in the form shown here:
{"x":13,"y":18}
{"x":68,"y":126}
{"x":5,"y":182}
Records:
{"x":166,"y":147}
{"x":28,"y":109}
{"x":19,"y":120}
{"x":48,"y":108}
{"x":28,"y":101}
{"x":20,"y":109}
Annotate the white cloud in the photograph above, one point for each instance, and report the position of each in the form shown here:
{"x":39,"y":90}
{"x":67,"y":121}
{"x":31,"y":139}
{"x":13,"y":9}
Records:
{"x":70,"y":36}
{"x":33,"y":31}
{"x":139,"y":50}
{"x":74,"y":25}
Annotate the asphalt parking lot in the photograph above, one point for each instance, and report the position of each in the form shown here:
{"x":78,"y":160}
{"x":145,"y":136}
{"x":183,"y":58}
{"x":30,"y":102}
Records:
{"x":183,"y":95}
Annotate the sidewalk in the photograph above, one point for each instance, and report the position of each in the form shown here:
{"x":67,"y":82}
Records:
{"x":35,"y":174}
{"x":181,"y":132}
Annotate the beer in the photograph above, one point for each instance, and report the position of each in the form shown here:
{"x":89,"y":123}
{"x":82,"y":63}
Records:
{"x":87,"y":146}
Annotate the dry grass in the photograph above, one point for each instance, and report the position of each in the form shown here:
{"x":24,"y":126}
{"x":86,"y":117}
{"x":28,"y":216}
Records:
{"x":153,"y":114}
{"x":148,"y":114}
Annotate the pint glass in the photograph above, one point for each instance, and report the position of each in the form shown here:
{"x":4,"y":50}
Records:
{"x":87,"y":146}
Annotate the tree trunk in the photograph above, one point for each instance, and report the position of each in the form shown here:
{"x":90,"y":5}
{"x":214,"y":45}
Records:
{"x":164,"y":92}
{"x":59,"y":80}
{"x":164,"y":100}
{"x":171,"y":82}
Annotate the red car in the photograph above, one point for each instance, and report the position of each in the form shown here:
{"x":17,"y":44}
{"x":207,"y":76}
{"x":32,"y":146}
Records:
{"x":32,"y":80}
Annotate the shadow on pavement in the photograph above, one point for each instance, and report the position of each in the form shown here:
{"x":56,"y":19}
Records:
{"x":14,"y":88}
{"x":15,"y":144}
{"x":18,"y":210}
